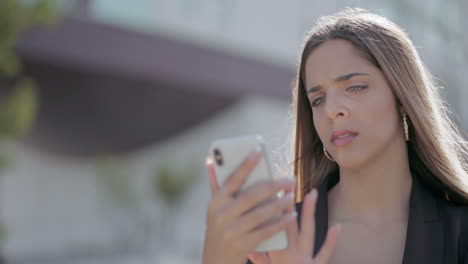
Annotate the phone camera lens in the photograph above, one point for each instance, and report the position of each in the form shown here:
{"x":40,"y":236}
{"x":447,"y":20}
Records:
{"x":218,"y":157}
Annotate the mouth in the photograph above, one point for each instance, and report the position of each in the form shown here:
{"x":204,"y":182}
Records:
{"x":343,"y":137}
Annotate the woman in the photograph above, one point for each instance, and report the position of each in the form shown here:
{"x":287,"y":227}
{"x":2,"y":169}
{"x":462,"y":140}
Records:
{"x":374,"y":142}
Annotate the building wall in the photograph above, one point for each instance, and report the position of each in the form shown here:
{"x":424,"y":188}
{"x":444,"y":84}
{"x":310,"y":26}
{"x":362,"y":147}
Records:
{"x":273,"y":31}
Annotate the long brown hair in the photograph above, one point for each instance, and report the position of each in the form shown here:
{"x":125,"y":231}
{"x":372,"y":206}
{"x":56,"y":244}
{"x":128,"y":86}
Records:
{"x":437,"y":151}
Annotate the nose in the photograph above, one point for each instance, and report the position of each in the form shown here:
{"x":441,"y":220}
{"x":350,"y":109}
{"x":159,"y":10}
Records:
{"x":335,"y":107}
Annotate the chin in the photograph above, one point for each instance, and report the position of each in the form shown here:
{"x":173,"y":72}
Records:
{"x":353,"y":162}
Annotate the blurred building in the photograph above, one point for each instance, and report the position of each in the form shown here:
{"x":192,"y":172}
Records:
{"x":437,"y":28}
{"x":204,"y":55}
{"x":151,"y":83}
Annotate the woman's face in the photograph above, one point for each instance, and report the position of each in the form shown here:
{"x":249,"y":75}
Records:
{"x":347,"y":92}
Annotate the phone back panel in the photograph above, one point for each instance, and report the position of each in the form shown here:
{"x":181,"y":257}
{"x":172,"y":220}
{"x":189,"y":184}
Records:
{"x":233,"y":151}
{"x":228,"y":155}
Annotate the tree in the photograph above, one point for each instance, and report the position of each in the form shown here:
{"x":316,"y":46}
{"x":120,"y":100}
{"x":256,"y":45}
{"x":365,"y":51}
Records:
{"x":18,"y":107}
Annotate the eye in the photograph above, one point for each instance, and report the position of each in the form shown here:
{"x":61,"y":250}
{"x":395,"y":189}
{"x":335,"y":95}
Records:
{"x":353,"y":88}
{"x":317,"y":101}
{"x":356,"y":88}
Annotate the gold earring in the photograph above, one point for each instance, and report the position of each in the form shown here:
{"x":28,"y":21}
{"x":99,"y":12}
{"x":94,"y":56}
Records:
{"x":405,"y":125}
{"x":327,"y":155}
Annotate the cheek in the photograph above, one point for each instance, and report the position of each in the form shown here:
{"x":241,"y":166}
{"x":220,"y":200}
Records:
{"x":319,"y":124}
{"x":381,"y":118}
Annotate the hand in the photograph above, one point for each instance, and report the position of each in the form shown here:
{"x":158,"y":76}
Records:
{"x":236,"y":223}
{"x":301,"y":244}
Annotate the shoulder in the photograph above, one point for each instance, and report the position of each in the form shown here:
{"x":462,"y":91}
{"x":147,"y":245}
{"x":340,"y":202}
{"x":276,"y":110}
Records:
{"x":456,"y":214}
{"x":455,"y":220}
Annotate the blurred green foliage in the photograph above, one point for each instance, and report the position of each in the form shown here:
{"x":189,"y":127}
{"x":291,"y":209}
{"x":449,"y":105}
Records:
{"x":17,"y":114}
{"x":114,"y":172}
{"x":15,"y":17}
{"x":18,"y":109}
{"x":172,"y":182}
{"x":169,"y":181}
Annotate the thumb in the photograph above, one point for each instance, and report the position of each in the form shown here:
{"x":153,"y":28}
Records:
{"x":259,"y":258}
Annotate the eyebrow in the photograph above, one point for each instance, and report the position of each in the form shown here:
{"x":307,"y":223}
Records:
{"x":337,"y":79}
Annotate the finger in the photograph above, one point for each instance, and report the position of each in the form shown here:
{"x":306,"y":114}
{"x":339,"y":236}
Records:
{"x":292,"y":231}
{"x":219,"y":197}
{"x":257,"y":194}
{"x":270,"y":229}
{"x":307,"y":232}
{"x":259,"y":258}
{"x":326,"y":252}
{"x":262,"y":215}
{"x":234,"y":182}
{"x":212,"y":175}
{"x":223,"y":197}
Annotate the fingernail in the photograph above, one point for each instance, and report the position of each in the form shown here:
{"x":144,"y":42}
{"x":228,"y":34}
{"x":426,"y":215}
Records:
{"x":284,"y":180}
{"x":208,"y":160}
{"x":291,"y":216}
{"x":256,"y":153}
{"x":289,"y":197}
{"x":258,"y":149}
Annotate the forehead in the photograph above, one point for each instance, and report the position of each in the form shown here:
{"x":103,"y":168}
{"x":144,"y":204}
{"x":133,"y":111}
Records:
{"x":333,"y":58}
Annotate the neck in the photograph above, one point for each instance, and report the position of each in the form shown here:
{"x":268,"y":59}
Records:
{"x":375,"y":193}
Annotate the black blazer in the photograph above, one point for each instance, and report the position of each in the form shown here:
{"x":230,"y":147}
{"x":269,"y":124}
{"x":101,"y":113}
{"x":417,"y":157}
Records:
{"x":437,"y":229}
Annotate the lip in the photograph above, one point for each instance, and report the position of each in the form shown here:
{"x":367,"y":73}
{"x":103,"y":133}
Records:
{"x":339,"y":142}
{"x":338,"y":133}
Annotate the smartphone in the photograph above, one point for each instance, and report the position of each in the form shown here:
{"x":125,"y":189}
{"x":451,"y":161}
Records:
{"x":227,"y":155}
